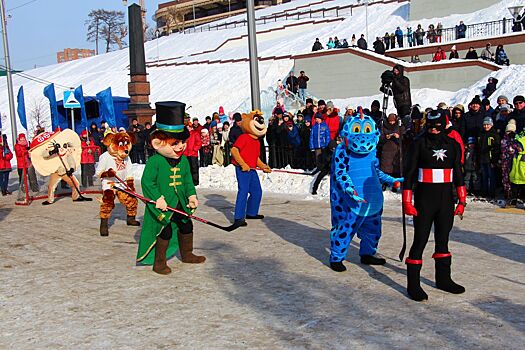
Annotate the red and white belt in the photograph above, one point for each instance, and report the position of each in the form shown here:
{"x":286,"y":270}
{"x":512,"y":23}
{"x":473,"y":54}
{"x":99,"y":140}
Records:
{"x":436,"y":176}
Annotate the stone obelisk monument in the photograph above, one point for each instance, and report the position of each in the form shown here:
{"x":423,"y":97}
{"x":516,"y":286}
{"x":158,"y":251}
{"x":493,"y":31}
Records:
{"x":138,"y":87}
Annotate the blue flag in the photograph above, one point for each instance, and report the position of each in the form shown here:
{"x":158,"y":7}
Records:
{"x":49,"y":92}
{"x":21,"y":108}
{"x":106,"y":107}
{"x":79,"y":95}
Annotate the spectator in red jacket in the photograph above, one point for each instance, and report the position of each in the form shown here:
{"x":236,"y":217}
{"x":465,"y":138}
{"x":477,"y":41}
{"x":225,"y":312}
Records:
{"x":87,"y":159}
{"x":440,"y":55}
{"x":24,"y":162}
{"x":332,"y":119}
{"x":193,"y":145}
{"x":5,"y":164}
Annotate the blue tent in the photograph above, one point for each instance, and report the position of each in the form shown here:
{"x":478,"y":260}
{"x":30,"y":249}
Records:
{"x":93,"y":115}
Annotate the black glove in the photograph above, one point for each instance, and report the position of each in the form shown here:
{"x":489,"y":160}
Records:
{"x":70,"y":172}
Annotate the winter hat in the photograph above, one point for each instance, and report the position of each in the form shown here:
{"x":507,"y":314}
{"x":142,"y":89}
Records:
{"x":221,"y":110}
{"x":299,"y":114}
{"x":442,"y":105}
{"x":195,"y":119}
{"x":460,"y":107}
{"x":488,"y":121}
{"x":219,"y":125}
{"x":485,"y":102}
{"x":204,"y":131}
{"x":309,"y":100}
{"x":279,"y":111}
{"x":237,"y":117}
{"x":348,"y":107}
{"x":511,"y":127}
{"x":308,"y":119}
{"x":453,"y":47}
{"x":318,"y":116}
{"x":503,"y":97}
{"x":518,"y":98}
{"x":471,"y":140}
{"x":476,"y":100}
{"x":121,"y":129}
{"x":392,"y":117}
{"x":329,"y":104}
{"x":375,"y":103}
{"x":82,"y":134}
{"x":289,"y":123}
{"x":321,"y":103}
{"x":23,"y":136}
{"x":213,"y":123}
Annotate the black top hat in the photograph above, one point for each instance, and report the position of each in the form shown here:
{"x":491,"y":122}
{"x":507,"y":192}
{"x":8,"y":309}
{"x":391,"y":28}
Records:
{"x":170,"y":118}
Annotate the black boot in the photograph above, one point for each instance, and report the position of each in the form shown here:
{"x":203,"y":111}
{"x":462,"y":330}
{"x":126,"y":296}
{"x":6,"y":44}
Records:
{"x":130,"y":221}
{"x":337,"y":266}
{"x":372,"y":260}
{"x":257,"y":217}
{"x":415,"y":292}
{"x":104,"y":230}
{"x":443,"y":279}
{"x":239,"y":223}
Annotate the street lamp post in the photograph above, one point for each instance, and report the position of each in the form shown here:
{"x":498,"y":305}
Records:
{"x":193,"y":4}
{"x":254,"y":63}
{"x":515,"y":11}
{"x":8,"y":73}
{"x":366,"y":19}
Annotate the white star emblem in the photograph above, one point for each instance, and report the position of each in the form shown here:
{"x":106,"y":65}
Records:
{"x":440,"y":154}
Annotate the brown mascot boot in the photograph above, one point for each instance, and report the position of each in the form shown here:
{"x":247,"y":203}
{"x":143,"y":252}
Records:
{"x":131,"y":221}
{"x":160,"y":266}
{"x":104,"y":227}
{"x":186,"y":249}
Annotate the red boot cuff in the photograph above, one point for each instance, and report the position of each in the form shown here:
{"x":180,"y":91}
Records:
{"x":413,"y":262}
{"x":440,"y":255}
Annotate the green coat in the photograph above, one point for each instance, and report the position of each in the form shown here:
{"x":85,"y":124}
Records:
{"x":176,"y":185}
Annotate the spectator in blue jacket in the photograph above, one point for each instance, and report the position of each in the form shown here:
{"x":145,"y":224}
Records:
{"x":319,"y":139}
{"x":399,"y":37}
{"x":410,"y":37}
{"x":461,"y":30}
{"x":330,"y":44}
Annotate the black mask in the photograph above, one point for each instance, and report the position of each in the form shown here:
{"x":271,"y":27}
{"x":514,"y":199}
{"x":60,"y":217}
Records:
{"x":436,"y":120}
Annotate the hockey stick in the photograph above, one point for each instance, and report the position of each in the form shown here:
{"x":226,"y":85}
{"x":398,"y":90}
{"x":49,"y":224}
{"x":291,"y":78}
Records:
{"x":73,"y":180}
{"x":151,"y":201}
{"x":404,"y":247}
{"x":285,"y":171}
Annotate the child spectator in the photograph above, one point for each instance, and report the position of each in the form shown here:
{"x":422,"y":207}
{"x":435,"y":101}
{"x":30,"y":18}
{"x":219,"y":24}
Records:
{"x":501,"y":56}
{"x":319,"y":139}
{"x":471,"y":167}
{"x":509,"y":149}
{"x":24,"y":162}
{"x":5,"y":165}
{"x":390,"y":145}
{"x":206,"y":148}
{"x":491,"y":87}
{"x":330,"y":44}
{"x":489,"y":149}
{"x":87,"y":159}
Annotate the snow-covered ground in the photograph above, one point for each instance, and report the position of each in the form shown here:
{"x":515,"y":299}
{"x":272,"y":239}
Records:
{"x":205,"y":87}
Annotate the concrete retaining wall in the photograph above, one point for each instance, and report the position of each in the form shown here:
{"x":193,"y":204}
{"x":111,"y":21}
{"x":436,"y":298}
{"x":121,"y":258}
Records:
{"x":352,"y":73}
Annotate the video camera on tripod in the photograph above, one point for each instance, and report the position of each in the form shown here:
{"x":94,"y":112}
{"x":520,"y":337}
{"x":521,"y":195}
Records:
{"x":387,"y":77}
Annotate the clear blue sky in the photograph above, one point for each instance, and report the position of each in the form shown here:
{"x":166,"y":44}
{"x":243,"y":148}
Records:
{"x":41,"y":28}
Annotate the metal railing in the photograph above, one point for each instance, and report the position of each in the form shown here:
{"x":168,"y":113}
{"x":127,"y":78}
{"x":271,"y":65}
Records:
{"x":484,"y":29}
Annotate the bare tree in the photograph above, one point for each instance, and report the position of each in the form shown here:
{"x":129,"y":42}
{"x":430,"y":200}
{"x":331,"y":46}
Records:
{"x":108,"y":25}
{"x":37,"y":114}
{"x":149,"y":34}
{"x":94,"y":23}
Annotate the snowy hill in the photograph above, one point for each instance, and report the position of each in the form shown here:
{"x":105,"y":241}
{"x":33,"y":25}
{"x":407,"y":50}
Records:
{"x":207,"y":86}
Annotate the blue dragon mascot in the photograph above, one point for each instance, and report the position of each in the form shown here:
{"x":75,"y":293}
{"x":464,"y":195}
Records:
{"x":356,"y":193}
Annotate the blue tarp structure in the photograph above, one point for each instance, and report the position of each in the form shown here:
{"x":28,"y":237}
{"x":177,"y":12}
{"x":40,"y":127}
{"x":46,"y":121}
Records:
{"x":92,"y":109}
